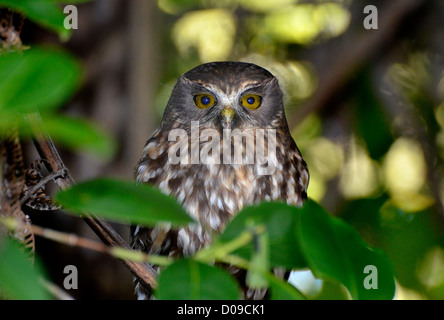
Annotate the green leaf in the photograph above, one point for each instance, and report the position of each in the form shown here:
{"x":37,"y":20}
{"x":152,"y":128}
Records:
{"x":36,"y":79}
{"x":18,"y":278}
{"x":282,"y":290}
{"x":80,"y":135}
{"x":123,"y":201}
{"x":279,"y":220}
{"x":46,"y":13}
{"x":260,"y":262}
{"x":187,"y":279}
{"x":334,"y":250}
{"x":72,"y":1}
{"x":332,"y":290}
{"x":11,"y":121}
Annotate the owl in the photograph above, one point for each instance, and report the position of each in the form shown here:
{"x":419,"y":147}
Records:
{"x":223,"y":144}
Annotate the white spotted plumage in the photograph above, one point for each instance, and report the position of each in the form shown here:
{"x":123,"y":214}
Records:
{"x":213,"y":192}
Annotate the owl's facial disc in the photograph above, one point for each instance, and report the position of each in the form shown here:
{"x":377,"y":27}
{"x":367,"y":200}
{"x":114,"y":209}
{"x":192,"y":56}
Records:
{"x":227,"y":109}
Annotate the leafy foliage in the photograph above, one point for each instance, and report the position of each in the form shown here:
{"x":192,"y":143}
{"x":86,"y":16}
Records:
{"x":18,"y":278}
{"x":46,"y":13}
{"x":187,"y":279}
{"x":88,"y":137}
{"x":37,"y":79}
{"x":261,"y":237}
{"x":41,"y":80}
{"x":295,"y":238}
{"x":137,"y":204}
{"x":334,"y":250}
{"x":280,"y":221}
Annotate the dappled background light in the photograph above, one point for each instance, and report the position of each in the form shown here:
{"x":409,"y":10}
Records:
{"x":367,"y":115}
{"x":365,"y":107}
{"x":405,"y":174}
{"x":373,"y":158}
{"x":372,"y":150}
{"x":360,"y":175}
{"x":210,"y":32}
{"x":305,"y":23}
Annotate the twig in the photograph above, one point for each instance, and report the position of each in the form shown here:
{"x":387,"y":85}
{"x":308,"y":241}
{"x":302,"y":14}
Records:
{"x":219,"y":250}
{"x":70,"y":239}
{"x":57,"y":292}
{"x":73,"y":240}
{"x":41,"y":183}
{"x":145,"y":274}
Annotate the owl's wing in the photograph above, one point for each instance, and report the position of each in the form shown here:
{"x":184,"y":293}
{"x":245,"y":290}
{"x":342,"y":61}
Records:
{"x":151,"y":169}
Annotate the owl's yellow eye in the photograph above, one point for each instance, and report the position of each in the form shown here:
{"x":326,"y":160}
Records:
{"x":204,"y":100}
{"x":251,"y":101}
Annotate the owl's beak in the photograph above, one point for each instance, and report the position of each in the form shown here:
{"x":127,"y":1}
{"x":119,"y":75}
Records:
{"x":227,"y":114}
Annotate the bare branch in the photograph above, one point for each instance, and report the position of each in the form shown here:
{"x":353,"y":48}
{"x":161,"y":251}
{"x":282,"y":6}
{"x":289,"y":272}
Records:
{"x":47,"y":151}
{"x":57,"y":292}
{"x":40,"y":184}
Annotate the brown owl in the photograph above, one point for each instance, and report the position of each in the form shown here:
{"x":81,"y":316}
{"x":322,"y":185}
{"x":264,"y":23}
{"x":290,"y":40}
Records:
{"x":223,"y":144}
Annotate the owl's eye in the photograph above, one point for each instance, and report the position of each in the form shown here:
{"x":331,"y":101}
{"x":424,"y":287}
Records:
{"x":204,"y":100}
{"x":251,"y":101}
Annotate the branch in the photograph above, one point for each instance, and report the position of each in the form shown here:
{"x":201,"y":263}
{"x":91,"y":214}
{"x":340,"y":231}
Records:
{"x":73,"y":240}
{"x":57,"y":292}
{"x":145,"y":274}
{"x":40,"y":184}
{"x":219,"y":250}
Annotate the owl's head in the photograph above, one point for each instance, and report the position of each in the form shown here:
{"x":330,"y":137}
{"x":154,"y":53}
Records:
{"x":226,"y":95}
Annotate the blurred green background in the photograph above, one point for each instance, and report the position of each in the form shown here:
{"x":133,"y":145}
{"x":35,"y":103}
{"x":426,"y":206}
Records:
{"x":366,"y":108}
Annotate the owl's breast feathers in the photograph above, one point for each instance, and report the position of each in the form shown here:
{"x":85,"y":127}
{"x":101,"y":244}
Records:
{"x":214,"y":191}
